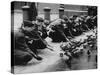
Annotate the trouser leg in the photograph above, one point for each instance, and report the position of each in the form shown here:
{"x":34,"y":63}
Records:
{"x":21,"y":57}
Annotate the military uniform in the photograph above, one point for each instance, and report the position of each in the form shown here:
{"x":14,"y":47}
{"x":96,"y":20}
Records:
{"x":56,"y":28}
{"x":24,"y":49}
{"x":89,"y":22}
{"x":21,"y":52}
{"x":71,"y":26}
{"x":34,"y":35}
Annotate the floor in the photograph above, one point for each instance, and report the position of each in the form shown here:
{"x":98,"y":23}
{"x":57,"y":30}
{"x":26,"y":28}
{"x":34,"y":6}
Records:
{"x":53,"y":62}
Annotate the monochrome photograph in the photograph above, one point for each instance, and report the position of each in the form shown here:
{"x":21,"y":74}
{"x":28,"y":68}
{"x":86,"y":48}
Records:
{"x":50,"y":37}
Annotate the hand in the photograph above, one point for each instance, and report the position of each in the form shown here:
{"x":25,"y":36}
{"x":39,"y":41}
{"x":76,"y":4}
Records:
{"x":40,"y":33}
{"x":31,"y":41}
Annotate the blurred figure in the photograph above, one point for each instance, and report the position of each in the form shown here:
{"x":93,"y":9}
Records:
{"x":75,"y":25}
{"x":46,"y":23}
{"x":59,"y":29}
{"x":67,"y":26}
{"x":35,"y":34}
{"x":22,"y":52}
{"x":33,"y":12}
{"x":89,"y":22}
{"x":54,"y":30}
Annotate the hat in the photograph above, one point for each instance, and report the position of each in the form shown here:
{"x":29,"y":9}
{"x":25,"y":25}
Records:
{"x":47,"y":22}
{"x":40,"y":19}
{"x":65,"y":17}
{"x":27,"y":23}
{"x":71,"y":18}
{"x":75,"y":16}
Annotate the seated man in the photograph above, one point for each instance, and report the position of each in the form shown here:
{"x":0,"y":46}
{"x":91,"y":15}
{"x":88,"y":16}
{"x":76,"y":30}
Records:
{"x":35,"y":34}
{"x":83,"y":24}
{"x":21,"y":53}
{"x":59,"y":29}
{"x":67,"y":26}
{"x":89,"y":22}
{"x":55,"y":30}
{"x":95,"y":21}
{"x":75,"y":27}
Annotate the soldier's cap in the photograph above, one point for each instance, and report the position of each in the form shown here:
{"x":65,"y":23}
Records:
{"x":27,"y":23}
{"x":47,"y":22}
{"x":65,"y":17}
{"x":75,"y":16}
{"x":40,"y":19}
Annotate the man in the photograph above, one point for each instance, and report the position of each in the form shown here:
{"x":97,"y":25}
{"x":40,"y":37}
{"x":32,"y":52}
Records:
{"x":41,"y":27}
{"x":71,"y":26}
{"x":95,"y":21}
{"x":35,"y":34}
{"x":58,"y":29}
{"x":84,"y":26}
{"x":21,"y":52}
{"x":46,"y":23}
{"x":89,"y":22}
{"x":76,"y":25}
{"x":67,"y":26}
{"x":55,"y":30}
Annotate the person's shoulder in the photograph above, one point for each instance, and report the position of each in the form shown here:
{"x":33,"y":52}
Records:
{"x":56,"y":22}
{"x":28,"y":23}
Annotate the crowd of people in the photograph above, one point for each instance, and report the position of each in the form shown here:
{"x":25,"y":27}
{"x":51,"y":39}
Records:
{"x":32,"y":34}
{"x":71,"y":27}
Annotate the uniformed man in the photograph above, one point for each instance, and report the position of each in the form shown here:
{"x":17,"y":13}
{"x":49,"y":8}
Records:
{"x":76,"y":23}
{"x":58,"y":29}
{"x":67,"y":26}
{"x":72,"y":26}
{"x":55,"y":29}
{"x":46,"y":23}
{"x":89,"y":22}
{"x":95,"y":21}
{"x":84,"y":26}
{"x":35,"y":34}
{"x":21,"y":51}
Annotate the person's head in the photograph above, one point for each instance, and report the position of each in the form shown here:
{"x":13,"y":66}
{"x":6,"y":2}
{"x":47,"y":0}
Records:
{"x":65,"y":18}
{"x":46,"y":22}
{"x":39,"y":21}
{"x":75,"y":16}
{"x":71,"y":19}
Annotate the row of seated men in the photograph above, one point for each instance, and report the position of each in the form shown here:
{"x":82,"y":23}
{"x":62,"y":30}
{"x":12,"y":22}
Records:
{"x":31,"y":36}
{"x":59,"y":29}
